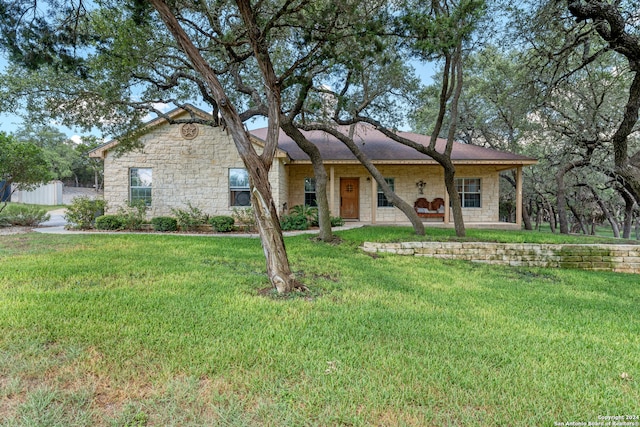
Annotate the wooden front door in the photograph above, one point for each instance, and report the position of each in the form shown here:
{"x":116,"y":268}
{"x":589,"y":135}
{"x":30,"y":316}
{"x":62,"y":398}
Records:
{"x":349,"y":198}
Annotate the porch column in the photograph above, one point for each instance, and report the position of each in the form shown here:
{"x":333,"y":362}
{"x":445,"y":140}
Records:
{"x":332,"y":191}
{"x":374,"y":199}
{"x":519,"y":196}
{"x":447,"y":211}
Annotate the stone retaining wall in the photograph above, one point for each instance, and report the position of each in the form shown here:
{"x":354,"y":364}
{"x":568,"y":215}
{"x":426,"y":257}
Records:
{"x":619,"y":258}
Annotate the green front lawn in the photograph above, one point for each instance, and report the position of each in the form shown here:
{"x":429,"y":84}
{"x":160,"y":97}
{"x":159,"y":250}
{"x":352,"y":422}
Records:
{"x":169,"y":330}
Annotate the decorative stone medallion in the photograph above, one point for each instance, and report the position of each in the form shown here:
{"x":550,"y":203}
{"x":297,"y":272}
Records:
{"x":189,"y":131}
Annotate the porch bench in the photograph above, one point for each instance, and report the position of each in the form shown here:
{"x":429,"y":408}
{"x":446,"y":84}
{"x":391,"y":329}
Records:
{"x":426,"y":209}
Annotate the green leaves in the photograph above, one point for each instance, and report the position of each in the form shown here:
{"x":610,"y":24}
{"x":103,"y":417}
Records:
{"x":439,"y":26}
{"x":22,"y":163}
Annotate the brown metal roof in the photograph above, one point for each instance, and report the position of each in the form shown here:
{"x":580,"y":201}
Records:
{"x":380,"y":148}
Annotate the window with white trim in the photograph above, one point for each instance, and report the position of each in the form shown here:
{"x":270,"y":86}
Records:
{"x":239,"y":193}
{"x":310,"y":192}
{"x":469,"y":191}
{"x":140,"y":180}
{"x":382,"y":199}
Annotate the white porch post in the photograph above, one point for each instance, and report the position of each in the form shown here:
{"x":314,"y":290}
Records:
{"x":519,"y":196}
{"x":332,"y":191}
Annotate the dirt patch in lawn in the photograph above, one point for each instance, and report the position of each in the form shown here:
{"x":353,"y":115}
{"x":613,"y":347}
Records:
{"x":9,"y":231}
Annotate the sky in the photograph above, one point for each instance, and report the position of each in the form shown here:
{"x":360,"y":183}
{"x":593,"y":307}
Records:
{"x":9,"y":123}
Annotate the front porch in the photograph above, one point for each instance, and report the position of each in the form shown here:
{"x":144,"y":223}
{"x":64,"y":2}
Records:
{"x":354,"y":195}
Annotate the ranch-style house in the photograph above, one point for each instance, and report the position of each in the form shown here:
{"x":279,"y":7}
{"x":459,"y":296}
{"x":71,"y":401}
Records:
{"x":198,"y":164}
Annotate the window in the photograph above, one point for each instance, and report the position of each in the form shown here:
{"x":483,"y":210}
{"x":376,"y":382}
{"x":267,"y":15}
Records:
{"x":239,"y":194}
{"x":382,"y":200}
{"x":469,"y":190}
{"x":140,"y":185}
{"x":310,"y":192}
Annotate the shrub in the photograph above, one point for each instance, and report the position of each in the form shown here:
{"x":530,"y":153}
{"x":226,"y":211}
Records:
{"x":245,"y":217}
{"x":134,"y":216}
{"x":337,"y":221}
{"x":83,"y":212}
{"x":222,"y":223}
{"x":164,"y":223}
{"x":110,"y":222}
{"x":294,"y":222}
{"x":311,"y":213}
{"x":190,"y":218}
{"x":23,"y":215}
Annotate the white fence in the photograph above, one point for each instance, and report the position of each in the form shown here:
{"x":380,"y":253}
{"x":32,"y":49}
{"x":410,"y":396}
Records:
{"x":49,"y":194}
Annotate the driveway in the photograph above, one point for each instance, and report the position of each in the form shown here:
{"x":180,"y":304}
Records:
{"x":57,"y":219}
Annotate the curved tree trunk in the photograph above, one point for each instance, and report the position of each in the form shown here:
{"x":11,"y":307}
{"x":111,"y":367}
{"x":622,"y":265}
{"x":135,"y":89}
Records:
{"x":266,"y":215}
{"x":258,"y":166}
{"x":546,"y":205}
{"x":607,"y":213}
{"x":450,"y":91}
{"x":561,"y":194}
{"x":610,"y":23}
{"x":324,"y":214}
{"x":578,"y":218}
{"x":407,"y":209}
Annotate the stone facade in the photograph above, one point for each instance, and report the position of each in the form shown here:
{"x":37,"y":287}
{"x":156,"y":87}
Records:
{"x":190,"y":165}
{"x":184,"y":171}
{"x":618,"y":258}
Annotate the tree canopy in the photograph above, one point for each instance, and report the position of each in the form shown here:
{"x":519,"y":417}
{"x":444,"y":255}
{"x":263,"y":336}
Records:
{"x":22,"y":164}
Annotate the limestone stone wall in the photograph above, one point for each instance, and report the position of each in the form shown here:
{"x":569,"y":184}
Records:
{"x":184,"y":171}
{"x":618,"y":258}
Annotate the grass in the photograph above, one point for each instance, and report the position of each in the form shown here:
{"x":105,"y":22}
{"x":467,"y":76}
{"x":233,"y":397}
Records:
{"x":122,"y":330}
{"x":47,"y":208}
{"x":396,"y":234}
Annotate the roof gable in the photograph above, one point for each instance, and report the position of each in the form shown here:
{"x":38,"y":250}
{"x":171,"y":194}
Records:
{"x":175,"y":114}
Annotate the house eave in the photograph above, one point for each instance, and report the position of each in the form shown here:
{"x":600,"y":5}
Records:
{"x":499,"y":164}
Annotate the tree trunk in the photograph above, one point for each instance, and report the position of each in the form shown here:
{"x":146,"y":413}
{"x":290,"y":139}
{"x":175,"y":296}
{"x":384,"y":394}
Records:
{"x":449,"y":168}
{"x":324,"y":214}
{"x":607,"y":213}
{"x":562,"y":201}
{"x":408,"y":210}
{"x":561,"y":194}
{"x":609,"y":21}
{"x":579,"y":218}
{"x":526,"y":218}
{"x":266,"y":215}
{"x":629,"y":209}
{"x":450,"y":91}
{"x":548,"y":207}
{"x":258,"y":166}
{"x":454,"y":198}
{"x":553,"y":218}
